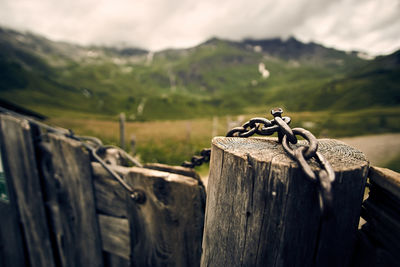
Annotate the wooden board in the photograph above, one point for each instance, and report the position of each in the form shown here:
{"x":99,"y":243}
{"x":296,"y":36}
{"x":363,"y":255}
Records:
{"x":380,"y":235}
{"x":387,"y":179}
{"x":173,"y":169}
{"x":263,"y":211}
{"x":115,"y":235}
{"x":23,"y":175}
{"x":110,"y":195}
{"x":66,"y":168}
{"x":12,"y":253}
{"x":367,"y":254}
{"x":166,"y":230}
{"x":112,"y":260}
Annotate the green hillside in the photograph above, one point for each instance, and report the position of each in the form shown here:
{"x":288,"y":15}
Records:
{"x":217,"y":77}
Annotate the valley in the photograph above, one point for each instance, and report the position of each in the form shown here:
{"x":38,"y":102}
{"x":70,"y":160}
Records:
{"x":172,"y":97}
{"x":218,"y":77}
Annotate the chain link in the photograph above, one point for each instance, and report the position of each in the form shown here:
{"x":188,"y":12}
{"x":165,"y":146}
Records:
{"x":323,"y":178}
{"x":198,"y":160}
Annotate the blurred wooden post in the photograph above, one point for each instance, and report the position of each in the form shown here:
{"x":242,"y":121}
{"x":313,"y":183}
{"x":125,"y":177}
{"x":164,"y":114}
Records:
{"x":262,"y":211}
{"x":133,"y":144}
{"x":122,"y":130}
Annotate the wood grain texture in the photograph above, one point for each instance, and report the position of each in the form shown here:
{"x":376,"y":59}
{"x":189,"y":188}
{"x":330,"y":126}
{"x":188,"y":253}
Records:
{"x":12,"y":252}
{"x":110,"y":195}
{"x":115,"y":235}
{"x":387,"y":179}
{"x":166,"y":230}
{"x":262,"y":210}
{"x":22,"y":170}
{"x":386,"y":226}
{"x":379,"y":237}
{"x":12,"y":249}
{"x":367,"y":254}
{"x":112,"y":260}
{"x":66,"y":168}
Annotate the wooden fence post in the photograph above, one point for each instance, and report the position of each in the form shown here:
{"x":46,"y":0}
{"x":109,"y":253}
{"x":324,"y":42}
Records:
{"x":122,"y":130}
{"x":133,"y":144}
{"x":17,"y":144}
{"x":262,"y":211}
{"x":69,"y":194}
{"x":167,"y":228}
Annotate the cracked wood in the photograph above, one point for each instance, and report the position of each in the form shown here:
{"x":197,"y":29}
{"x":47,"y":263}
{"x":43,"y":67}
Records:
{"x":262,"y":211}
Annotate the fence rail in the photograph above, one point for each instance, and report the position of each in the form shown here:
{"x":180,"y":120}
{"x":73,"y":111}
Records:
{"x":378,"y":241}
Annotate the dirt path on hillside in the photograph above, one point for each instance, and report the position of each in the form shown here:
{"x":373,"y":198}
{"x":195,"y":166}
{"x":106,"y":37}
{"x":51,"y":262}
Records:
{"x":379,"y":149}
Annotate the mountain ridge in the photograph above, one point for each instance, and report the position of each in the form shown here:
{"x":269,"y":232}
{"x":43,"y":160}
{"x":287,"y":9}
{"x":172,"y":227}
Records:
{"x":215,"y":77}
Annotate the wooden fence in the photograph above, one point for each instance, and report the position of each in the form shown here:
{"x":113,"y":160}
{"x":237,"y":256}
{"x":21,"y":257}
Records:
{"x":65,"y":210}
{"x":61,"y":208}
{"x":378,"y":240}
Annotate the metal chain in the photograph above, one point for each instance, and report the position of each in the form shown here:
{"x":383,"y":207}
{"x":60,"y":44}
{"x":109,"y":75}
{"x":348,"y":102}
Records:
{"x":198,"y":160}
{"x":261,"y":126}
{"x":286,"y":136}
{"x":93,"y":146}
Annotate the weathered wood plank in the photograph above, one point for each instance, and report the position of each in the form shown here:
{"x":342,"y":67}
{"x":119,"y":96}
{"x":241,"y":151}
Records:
{"x":173,"y":169}
{"x":19,"y":150}
{"x":366,"y":254}
{"x":12,"y":252}
{"x":381,"y":232}
{"x":112,"y":260}
{"x":387,"y":179}
{"x":262,"y":211}
{"x":379,"y":212}
{"x":115,"y":235}
{"x":166,"y":230}
{"x":110,"y":195}
{"x":12,"y":249}
{"x":382,"y":228}
{"x":70,"y":198}
{"x":386,"y":200}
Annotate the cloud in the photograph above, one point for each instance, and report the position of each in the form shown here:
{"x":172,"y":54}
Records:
{"x":368,"y":25}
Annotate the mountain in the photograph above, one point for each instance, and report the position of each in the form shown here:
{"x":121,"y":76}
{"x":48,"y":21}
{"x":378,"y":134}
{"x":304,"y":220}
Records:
{"x":374,"y":84}
{"x":216,"y":77}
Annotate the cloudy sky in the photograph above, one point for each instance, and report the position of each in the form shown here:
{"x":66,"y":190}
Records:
{"x":371,"y":26}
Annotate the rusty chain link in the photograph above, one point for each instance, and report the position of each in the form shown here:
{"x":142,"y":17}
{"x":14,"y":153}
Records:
{"x":301,"y":154}
{"x":198,"y":160}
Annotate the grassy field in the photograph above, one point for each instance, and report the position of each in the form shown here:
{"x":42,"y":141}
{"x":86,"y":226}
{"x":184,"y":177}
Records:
{"x":172,"y":142}
{"x":394,"y":164}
